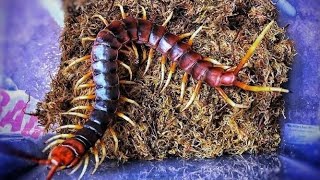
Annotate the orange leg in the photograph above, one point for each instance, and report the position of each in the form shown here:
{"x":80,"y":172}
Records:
{"x":228,"y":100}
{"x":252,"y":48}
{"x":259,"y":88}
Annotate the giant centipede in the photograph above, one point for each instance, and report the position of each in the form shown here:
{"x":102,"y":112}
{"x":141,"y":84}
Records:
{"x":73,"y":151}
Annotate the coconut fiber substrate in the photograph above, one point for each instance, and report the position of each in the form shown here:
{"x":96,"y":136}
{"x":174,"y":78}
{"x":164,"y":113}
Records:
{"x":209,"y":127}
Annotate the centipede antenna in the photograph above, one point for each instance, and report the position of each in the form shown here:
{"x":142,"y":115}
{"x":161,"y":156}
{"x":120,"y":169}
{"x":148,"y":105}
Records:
{"x":82,"y":79}
{"x":253,"y":48}
{"x":123,"y":14}
{"x":183,"y":86}
{"x":104,"y":152}
{"x":216,"y":63}
{"x":53,"y":143}
{"x":90,"y":96}
{"x":184,"y":35}
{"x":125,"y":99}
{"x":105,"y":22}
{"x":121,"y":115}
{"x":76,"y":114}
{"x":194,"y":95}
{"x":150,"y":56}
{"x":126,"y":82}
{"x":190,"y":42}
{"x":84,"y":58}
{"x":228,"y":100}
{"x":85,"y":166}
{"x":127,"y":67}
{"x":85,"y":39}
{"x":52,"y":171}
{"x":89,"y":108}
{"x":171,"y":71}
{"x":59,"y":136}
{"x":96,"y":158}
{"x":69,"y":126}
{"x":76,"y":167}
{"x":135,"y":50}
{"x":88,"y":85}
{"x":163,"y":67}
{"x":259,"y":88}
{"x":115,"y":139}
{"x":168,"y":19}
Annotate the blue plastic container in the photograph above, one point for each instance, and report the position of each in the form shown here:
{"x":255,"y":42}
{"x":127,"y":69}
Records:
{"x":30,"y":52}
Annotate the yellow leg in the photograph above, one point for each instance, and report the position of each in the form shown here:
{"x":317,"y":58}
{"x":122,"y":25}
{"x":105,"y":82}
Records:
{"x":96,"y":158}
{"x":183,"y":86}
{"x":190,"y":42}
{"x":85,"y":166}
{"x":84,"y":58}
{"x":76,"y":114}
{"x":150,"y":56}
{"x":104,"y":151}
{"x":144,"y":13}
{"x":76,"y":167}
{"x":53,"y":143}
{"x":123,"y":14}
{"x":144,"y":55}
{"x":90,"y":96}
{"x":163,"y":66}
{"x":259,"y":88}
{"x":127,"y":67}
{"x":88,"y":108}
{"x":115,"y":139}
{"x":135,"y":50}
{"x":168,"y":19}
{"x":84,"y":78}
{"x":69,"y":126}
{"x":125,"y":99}
{"x":253,"y":48}
{"x":105,"y":22}
{"x":228,"y":100}
{"x":216,"y":63}
{"x":171,"y":71}
{"x":85,"y":39}
{"x":121,"y":115}
{"x":88,"y":85}
{"x":59,"y":136}
{"x":194,"y":95}
{"x":182,"y":36}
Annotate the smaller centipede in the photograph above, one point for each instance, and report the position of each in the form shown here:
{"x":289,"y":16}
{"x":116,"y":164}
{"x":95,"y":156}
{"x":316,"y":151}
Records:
{"x":72,"y":150}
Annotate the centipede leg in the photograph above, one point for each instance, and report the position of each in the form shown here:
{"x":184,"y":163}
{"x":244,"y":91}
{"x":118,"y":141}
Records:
{"x":150,"y":56}
{"x":105,"y":22}
{"x":163,"y":66}
{"x":104,"y":151}
{"x":183,"y":86}
{"x":125,"y":99}
{"x":127,"y":67}
{"x":96,"y":158}
{"x":121,"y":115}
{"x":190,"y":41}
{"x":76,"y":114}
{"x":115,"y":139}
{"x":123,"y":14}
{"x":86,"y":97}
{"x":85,"y":39}
{"x":85,"y":166}
{"x":59,"y":136}
{"x":168,"y":19}
{"x":82,"y":79}
{"x":87,"y":85}
{"x":228,"y":100}
{"x":144,"y":13}
{"x":135,"y":50}
{"x":84,"y":58}
{"x":171,"y":71}
{"x":76,"y":167}
{"x":259,"y":88}
{"x":70,"y":126}
{"x":194,"y":95}
{"x":126,"y":82}
{"x":216,"y":63}
{"x":53,"y":143}
{"x":253,"y":48}
{"x":88,"y":108}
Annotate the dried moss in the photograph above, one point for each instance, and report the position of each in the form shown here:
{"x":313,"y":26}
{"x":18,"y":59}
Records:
{"x":210,"y":127}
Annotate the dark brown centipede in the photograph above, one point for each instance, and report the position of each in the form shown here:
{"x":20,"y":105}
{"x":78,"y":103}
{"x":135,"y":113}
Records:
{"x":104,"y":63}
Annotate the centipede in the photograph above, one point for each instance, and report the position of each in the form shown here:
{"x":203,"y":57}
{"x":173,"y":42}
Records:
{"x":72,"y":150}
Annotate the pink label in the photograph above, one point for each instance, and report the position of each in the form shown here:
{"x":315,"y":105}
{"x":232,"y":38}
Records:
{"x":13,"y":104}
